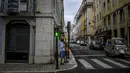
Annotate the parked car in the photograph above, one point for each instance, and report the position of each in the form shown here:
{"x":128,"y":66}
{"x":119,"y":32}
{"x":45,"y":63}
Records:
{"x":83,"y":43}
{"x":78,"y":42}
{"x":91,"y":46}
{"x":115,"y":47}
{"x":96,"y":45}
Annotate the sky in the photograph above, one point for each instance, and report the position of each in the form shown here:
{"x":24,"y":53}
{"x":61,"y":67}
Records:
{"x":71,"y":7}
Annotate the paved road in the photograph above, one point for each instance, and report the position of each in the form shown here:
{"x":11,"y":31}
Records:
{"x":95,"y":61}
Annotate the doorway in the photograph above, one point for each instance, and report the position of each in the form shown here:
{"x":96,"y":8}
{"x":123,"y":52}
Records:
{"x":17,"y":43}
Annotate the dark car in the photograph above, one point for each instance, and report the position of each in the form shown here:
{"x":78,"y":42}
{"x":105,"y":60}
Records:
{"x":92,"y":45}
{"x":96,"y":45}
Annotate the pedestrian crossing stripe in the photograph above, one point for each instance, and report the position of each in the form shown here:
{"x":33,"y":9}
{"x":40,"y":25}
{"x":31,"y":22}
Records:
{"x":101,"y":63}
{"x":116,"y":63}
{"x":124,"y":61}
{"x":88,"y":65}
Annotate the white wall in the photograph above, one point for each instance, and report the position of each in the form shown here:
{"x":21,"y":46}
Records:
{"x":44,"y":40}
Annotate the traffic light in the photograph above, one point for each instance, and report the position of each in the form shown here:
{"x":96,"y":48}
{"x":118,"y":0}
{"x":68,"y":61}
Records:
{"x":56,"y":34}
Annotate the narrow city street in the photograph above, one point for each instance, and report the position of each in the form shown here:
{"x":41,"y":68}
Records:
{"x":95,"y":61}
{"x":64,"y":36}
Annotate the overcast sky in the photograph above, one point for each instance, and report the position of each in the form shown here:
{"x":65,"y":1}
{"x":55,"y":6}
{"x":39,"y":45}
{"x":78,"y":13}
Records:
{"x":71,"y":8}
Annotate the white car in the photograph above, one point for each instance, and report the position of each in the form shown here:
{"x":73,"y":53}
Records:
{"x":78,"y":42}
{"x":115,"y":47}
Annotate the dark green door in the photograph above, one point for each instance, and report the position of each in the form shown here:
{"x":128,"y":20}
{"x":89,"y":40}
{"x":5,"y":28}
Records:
{"x":17,"y":43}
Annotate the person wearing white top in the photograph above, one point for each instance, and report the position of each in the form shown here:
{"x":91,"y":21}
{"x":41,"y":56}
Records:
{"x":62,"y":51}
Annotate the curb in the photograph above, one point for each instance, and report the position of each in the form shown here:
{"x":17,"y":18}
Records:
{"x":72,"y":56}
{"x":55,"y":71}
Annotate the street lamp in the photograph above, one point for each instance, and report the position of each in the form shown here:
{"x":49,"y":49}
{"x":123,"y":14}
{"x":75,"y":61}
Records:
{"x":68,"y":30}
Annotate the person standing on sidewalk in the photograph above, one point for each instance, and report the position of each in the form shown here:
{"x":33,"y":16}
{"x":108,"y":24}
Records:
{"x":66,"y":52}
{"x":62,"y":51}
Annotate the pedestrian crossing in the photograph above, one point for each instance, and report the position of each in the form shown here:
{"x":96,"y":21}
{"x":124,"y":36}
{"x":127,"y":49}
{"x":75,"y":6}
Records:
{"x":101,"y":63}
{"x":116,"y":63}
{"x":105,"y":63}
{"x":86,"y":64}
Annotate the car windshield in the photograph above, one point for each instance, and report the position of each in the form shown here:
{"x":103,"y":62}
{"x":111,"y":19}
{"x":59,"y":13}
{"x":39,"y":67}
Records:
{"x":119,"y":42}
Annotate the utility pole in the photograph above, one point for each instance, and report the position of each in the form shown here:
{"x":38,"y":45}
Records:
{"x":84,"y":22}
{"x":85,"y":25}
{"x":68,"y":30}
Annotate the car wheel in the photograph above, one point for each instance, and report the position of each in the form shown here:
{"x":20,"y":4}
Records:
{"x":90,"y":47}
{"x":107,"y":53}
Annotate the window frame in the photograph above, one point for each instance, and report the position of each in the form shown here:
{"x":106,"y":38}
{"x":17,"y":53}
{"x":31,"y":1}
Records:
{"x":129,"y":11}
{"x":1,"y":5}
{"x":121,"y":15}
{"x":24,"y":3}
{"x":114,"y":18}
{"x":109,"y":20}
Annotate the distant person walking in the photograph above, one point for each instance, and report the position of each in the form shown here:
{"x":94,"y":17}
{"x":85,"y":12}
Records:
{"x":62,"y":51}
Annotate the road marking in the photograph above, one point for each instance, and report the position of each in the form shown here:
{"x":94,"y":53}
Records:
{"x":101,"y":63}
{"x":124,"y":61}
{"x":116,"y":63}
{"x":86,"y":64}
{"x":89,"y":55}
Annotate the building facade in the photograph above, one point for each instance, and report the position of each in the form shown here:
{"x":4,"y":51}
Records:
{"x":114,"y":18}
{"x":27,"y":30}
{"x":84,"y":21}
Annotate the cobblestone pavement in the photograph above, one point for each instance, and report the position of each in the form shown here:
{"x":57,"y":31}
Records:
{"x":38,"y":67}
{"x":32,"y":68}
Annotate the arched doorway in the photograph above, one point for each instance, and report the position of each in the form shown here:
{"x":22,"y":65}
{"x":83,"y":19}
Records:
{"x":17,"y":42}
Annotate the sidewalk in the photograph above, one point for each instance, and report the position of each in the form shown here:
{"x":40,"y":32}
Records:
{"x":38,"y":67}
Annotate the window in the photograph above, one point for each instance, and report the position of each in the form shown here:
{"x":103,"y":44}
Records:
{"x":23,"y":5}
{"x":1,"y":5}
{"x":121,"y":15}
{"x":129,"y":11}
{"x":104,"y":22}
{"x":108,"y":1}
{"x":54,"y":6}
{"x":100,"y":16}
{"x":97,"y":18}
{"x":104,"y":5}
{"x":109,"y":20}
{"x":114,"y":18}
{"x":121,"y":1}
{"x":113,"y":3}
